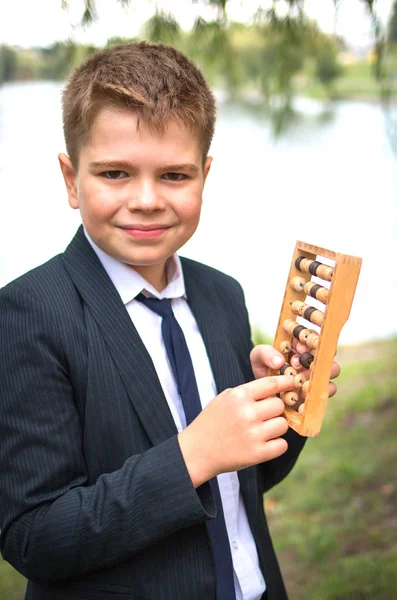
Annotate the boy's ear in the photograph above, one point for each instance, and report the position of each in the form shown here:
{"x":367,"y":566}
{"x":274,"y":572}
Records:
{"x":207,"y":166}
{"x":69,"y":176}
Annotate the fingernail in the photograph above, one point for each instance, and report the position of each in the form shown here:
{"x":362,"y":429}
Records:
{"x":277,"y":361}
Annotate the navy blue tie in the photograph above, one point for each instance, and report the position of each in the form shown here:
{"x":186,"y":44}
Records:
{"x":182,"y":368}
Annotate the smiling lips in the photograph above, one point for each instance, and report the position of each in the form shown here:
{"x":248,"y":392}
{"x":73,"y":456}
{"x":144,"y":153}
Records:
{"x":145,"y":231}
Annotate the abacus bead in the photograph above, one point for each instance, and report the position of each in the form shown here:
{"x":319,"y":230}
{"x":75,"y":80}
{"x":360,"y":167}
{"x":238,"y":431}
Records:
{"x":303,"y":335}
{"x":325,"y":272}
{"x":299,"y":380}
{"x":298,"y":307}
{"x":312,"y":340}
{"x":287,"y":370}
{"x":323,"y":295}
{"x":285,"y":347}
{"x":306,"y":359}
{"x":289,"y":326}
{"x":313,"y":267}
{"x":297,"y":330}
{"x":297,"y":284}
{"x":289,"y":398}
{"x":298,"y":262}
{"x":305,"y":264}
{"x":313,"y":315}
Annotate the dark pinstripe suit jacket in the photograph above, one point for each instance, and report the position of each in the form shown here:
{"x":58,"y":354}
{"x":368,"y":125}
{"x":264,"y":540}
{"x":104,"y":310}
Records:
{"x":95,"y":499}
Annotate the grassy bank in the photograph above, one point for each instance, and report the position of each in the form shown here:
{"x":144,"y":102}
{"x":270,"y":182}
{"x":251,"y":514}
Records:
{"x":12,"y":584}
{"x":334,"y":519}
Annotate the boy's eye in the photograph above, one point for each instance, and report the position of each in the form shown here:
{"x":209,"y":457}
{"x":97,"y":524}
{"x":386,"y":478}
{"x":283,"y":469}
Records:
{"x":174,"y":176}
{"x":114,"y":174}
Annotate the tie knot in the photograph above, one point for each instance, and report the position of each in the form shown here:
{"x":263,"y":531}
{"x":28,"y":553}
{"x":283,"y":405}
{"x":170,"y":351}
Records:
{"x":161,"y":307}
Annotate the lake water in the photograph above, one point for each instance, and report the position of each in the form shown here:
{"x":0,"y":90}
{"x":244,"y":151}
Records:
{"x":330,"y":181}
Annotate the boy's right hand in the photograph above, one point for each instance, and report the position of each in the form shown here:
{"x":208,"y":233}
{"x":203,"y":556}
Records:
{"x":239,"y":428}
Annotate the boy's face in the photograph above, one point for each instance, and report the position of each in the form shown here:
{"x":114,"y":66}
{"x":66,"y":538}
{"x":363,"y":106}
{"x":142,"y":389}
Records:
{"x":139,"y":193}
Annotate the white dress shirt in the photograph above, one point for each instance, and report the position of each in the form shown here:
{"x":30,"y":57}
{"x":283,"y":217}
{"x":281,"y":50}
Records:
{"x":248,"y":579}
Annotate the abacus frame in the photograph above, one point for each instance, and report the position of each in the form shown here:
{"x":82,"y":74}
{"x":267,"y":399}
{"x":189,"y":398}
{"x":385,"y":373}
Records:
{"x":337,"y":310}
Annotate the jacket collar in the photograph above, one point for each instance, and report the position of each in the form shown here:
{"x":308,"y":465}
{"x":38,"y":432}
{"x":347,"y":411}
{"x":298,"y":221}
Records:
{"x":130,"y":283}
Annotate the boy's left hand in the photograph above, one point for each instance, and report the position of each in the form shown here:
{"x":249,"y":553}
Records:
{"x":265,"y":357}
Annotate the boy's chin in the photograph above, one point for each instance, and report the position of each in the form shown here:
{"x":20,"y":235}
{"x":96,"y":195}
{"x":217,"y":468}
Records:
{"x":160,"y":263}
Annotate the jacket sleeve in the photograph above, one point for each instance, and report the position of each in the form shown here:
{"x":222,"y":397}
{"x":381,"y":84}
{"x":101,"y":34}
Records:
{"x":274,"y":471}
{"x":53,"y":524}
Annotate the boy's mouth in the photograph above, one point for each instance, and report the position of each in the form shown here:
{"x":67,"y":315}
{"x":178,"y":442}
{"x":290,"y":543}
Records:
{"x":145,"y":231}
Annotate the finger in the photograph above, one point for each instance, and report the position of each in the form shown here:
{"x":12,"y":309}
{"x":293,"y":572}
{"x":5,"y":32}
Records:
{"x":274,"y":428}
{"x":269,"y":408}
{"x":299,"y":347}
{"x":275,"y":448}
{"x":305,"y":373}
{"x":269,"y":386}
{"x":276,"y":361}
{"x":268,"y":356}
{"x":294,"y":362}
{"x":335,"y":370}
{"x":331,"y":389}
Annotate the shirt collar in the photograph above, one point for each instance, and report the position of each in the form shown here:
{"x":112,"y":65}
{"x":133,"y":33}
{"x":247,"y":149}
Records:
{"x":129,"y":283}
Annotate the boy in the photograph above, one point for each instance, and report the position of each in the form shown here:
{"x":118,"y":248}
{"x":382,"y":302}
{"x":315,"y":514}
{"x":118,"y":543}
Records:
{"x":137,"y":441}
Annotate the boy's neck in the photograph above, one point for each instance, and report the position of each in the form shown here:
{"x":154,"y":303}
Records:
{"x":156,"y":275}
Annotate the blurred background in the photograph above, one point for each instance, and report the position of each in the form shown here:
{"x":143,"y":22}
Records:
{"x":305,"y":148}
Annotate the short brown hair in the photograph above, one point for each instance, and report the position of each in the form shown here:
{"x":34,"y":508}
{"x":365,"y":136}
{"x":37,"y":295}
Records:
{"x":156,"y":81}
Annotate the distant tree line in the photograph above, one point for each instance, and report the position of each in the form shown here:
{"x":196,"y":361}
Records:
{"x":271,"y":55}
{"x":265,"y":56}
{"x":53,"y":62}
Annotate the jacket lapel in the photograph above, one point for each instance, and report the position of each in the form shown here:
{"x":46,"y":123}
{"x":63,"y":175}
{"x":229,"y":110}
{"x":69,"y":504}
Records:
{"x":126,"y":347}
{"x":210,"y":317}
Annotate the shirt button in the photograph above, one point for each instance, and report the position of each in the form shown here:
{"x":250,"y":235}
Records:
{"x":235,"y":545}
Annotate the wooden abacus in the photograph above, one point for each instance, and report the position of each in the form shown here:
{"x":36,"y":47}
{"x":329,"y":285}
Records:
{"x":316,"y":305}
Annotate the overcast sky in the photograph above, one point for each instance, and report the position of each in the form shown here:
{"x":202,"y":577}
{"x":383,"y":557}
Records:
{"x":40,"y":22}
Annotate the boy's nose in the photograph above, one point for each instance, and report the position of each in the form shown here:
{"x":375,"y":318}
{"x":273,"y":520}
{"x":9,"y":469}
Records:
{"x":145,"y":196}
